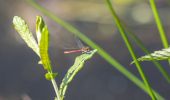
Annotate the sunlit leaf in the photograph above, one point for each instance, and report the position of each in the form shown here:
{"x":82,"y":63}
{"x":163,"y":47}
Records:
{"x":43,"y":45}
{"x":163,"y":54}
{"x":73,"y":70}
{"x":22,"y":28}
{"x":39,"y":26}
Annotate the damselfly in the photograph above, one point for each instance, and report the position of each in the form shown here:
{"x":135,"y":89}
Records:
{"x":82,"y":48}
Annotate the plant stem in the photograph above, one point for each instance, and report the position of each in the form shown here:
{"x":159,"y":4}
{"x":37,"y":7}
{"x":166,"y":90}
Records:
{"x":159,"y":24}
{"x":55,"y":87}
{"x":129,"y":46}
{"x":156,"y":63}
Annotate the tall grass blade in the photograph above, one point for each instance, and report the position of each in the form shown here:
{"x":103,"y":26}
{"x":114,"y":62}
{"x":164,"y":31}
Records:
{"x":159,"y":24}
{"x":129,"y":46}
{"x":157,"y":64}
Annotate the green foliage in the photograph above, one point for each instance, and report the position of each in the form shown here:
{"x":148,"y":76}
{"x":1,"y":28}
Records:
{"x":117,"y":65}
{"x":144,"y":49}
{"x":41,"y":49}
{"x":130,"y":49}
{"x":44,"y":43}
{"x":163,"y":54}
{"x":22,"y":28}
{"x":73,"y":70}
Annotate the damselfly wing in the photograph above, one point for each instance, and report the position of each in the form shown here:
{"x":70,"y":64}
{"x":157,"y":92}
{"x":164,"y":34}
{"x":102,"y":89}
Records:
{"x":81,"y":48}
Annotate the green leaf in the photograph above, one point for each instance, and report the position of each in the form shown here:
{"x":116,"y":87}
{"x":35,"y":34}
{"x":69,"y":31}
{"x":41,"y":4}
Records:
{"x":73,"y":70}
{"x":55,"y":98}
{"x":43,"y":45}
{"x":39,"y":26}
{"x":22,"y":28}
{"x":163,"y":54}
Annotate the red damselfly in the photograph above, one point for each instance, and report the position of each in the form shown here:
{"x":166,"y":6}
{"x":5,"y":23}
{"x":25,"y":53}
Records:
{"x":82,"y":48}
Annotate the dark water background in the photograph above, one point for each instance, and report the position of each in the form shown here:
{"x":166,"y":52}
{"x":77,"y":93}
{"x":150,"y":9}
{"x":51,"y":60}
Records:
{"x":21,"y":78}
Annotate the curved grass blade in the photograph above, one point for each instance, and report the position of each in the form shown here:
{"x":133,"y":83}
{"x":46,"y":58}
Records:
{"x":163,"y":54}
{"x":22,"y":28}
{"x":73,"y":70}
{"x":43,"y":45}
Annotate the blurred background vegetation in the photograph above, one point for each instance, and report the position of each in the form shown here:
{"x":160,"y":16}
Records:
{"x":21,"y":78}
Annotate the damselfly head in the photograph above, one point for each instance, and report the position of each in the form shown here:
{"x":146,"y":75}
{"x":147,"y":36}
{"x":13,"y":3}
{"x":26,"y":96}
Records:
{"x":85,"y":49}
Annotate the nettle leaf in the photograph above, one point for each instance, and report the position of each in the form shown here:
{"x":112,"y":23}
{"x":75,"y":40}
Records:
{"x":43,"y":46}
{"x":73,"y":70}
{"x":22,"y":28}
{"x":163,"y":54}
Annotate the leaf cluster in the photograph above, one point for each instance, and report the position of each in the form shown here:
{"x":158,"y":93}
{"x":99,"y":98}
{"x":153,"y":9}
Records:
{"x":40,"y":47}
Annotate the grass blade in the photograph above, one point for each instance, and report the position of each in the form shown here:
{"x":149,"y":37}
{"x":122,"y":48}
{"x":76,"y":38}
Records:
{"x":159,"y":24}
{"x":157,"y":64}
{"x":129,"y":46}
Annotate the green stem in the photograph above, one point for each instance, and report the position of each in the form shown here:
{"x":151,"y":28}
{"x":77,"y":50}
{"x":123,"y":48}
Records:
{"x":55,"y":86}
{"x":159,"y":24}
{"x":129,"y":46}
{"x":157,"y":64}
{"x":101,"y":52}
